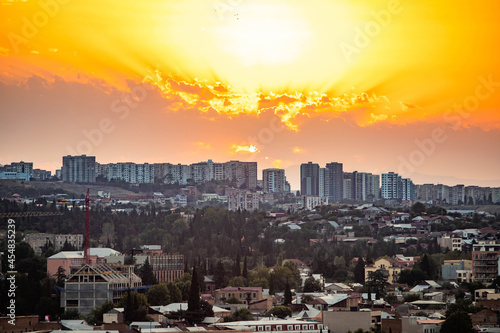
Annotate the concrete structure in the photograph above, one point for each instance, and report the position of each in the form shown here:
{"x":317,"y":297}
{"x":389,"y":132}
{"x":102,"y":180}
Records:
{"x":450,"y":269}
{"x":408,"y":192}
{"x":391,"y":186}
{"x":246,"y":295}
{"x":244,"y":174}
{"x":309,"y":178}
{"x":79,"y":169}
{"x":39,"y":174}
{"x":420,"y":325}
{"x":335,"y":181}
{"x":19,"y":168}
{"x":450,"y":242}
{"x":70,"y":261}
{"x":38,"y":241}
{"x":266,"y":325}
{"x":274,"y":180}
{"x":390,"y":266}
{"x":15,"y":176}
{"x":242,"y":199}
{"x":92,"y":285}
{"x":309,"y":202}
{"x":166,"y":267}
{"x":343,"y":321}
{"x":485,"y":261}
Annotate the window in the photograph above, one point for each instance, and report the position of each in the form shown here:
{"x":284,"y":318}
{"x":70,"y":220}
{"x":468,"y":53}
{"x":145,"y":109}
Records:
{"x":297,"y":327}
{"x":260,"y":328}
{"x":289,"y":328}
{"x":278,"y":328}
{"x":311,"y":327}
{"x":304,"y":327}
{"x":268,"y":328}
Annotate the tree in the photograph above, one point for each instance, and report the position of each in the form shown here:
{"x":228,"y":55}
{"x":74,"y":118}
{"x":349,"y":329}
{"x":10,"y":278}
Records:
{"x":147,"y":275}
{"x":135,"y":306}
{"x":244,"y":273}
{"x":279,"y":311}
{"x":237,"y":281}
{"x":418,"y":208}
{"x":158,"y":294}
{"x":219,"y":275}
{"x":60,"y":276}
{"x":96,"y":315}
{"x":287,"y":299}
{"x":242,"y":314}
{"x":359,"y":271}
{"x":174,"y":293}
{"x":233,"y":300}
{"x":194,"y":293}
{"x":378,"y":281}
{"x":237,"y":268}
{"x":457,"y":322}
{"x":311,"y":285}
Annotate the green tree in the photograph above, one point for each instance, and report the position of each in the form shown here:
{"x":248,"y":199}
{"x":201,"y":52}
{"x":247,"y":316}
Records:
{"x":96,"y":315}
{"x":233,"y":300}
{"x":279,"y":311}
{"x":457,"y":322}
{"x":158,"y":294}
{"x":237,"y":281}
{"x":287,"y":299}
{"x":135,"y":306}
{"x":418,"y":208}
{"x":377,"y":281}
{"x":194,"y":293}
{"x":147,"y":275}
{"x":311,"y":285}
{"x":60,"y":276}
{"x":259,"y":282}
{"x":242,"y":314}
{"x":359,"y":271}
{"x":244,"y":273}
{"x":174,"y":293}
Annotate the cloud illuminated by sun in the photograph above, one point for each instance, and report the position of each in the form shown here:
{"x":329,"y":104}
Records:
{"x":250,"y":149}
{"x":297,"y":150}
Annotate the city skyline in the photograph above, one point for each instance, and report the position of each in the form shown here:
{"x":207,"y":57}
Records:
{"x":403,"y":86}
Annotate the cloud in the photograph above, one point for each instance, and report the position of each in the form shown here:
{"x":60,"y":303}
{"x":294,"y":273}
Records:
{"x":249,"y":149}
{"x":219,"y":99}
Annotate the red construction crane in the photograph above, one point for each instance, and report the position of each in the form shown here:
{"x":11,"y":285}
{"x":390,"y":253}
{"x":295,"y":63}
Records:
{"x":87,"y":215}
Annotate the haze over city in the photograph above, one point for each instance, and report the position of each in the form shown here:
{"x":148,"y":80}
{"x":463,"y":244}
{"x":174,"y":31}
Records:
{"x":404,"y":86}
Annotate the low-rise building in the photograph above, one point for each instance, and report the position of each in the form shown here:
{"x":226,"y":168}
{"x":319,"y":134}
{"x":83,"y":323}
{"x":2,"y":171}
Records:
{"x":92,"y":285}
{"x":57,"y":241}
{"x":246,"y":295}
{"x":71,"y":260}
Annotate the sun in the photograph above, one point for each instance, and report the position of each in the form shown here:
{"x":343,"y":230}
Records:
{"x":264,"y":34}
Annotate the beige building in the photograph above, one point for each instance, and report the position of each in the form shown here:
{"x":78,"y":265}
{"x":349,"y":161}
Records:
{"x":38,"y":241}
{"x":246,"y":295}
{"x":391,"y":266}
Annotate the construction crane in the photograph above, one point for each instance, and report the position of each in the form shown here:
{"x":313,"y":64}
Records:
{"x":87,"y":214}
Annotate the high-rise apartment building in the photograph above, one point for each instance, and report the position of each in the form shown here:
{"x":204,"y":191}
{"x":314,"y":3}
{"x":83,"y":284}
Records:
{"x":391,"y":186}
{"x":79,"y":169}
{"x":335,"y":183}
{"x":274,"y":180}
{"x":309,"y":179}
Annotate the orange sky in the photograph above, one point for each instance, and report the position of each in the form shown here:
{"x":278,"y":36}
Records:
{"x":408,"y":86}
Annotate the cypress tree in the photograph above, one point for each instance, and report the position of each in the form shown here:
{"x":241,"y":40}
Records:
{"x":245,"y":270}
{"x":194,"y":293}
{"x":288,"y":294}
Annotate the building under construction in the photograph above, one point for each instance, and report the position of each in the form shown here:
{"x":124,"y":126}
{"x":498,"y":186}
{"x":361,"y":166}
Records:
{"x":92,"y":285}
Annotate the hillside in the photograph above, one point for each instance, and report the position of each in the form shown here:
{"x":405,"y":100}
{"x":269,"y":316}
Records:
{"x":38,"y":188}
